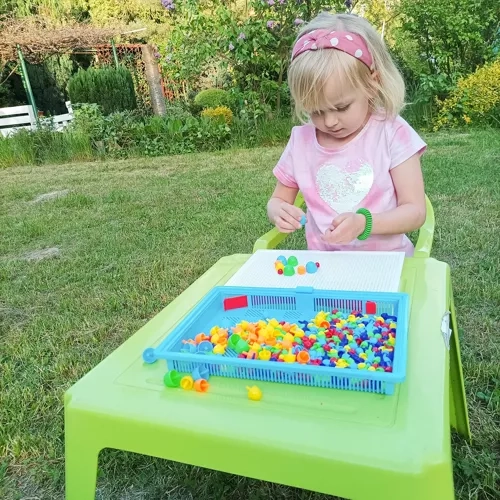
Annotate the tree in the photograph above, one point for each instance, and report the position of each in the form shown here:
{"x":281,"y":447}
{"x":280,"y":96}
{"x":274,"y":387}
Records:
{"x":453,"y":36}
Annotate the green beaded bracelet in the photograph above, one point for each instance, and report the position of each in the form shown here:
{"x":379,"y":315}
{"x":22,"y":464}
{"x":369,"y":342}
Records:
{"x":369,"y":223}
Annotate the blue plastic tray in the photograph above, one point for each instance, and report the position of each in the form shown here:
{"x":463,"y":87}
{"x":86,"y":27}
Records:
{"x":288,"y":305}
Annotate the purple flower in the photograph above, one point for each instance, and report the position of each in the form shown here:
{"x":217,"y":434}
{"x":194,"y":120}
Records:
{"x":231,"y":46}
{"x":157,"y":55}
{"x":298,"y":21}
{"x":270,"y":2}
{"x":241,"y":36}
{"x":271,"y":24}
{"x":168,"y":4}
{"x":282,"y":2}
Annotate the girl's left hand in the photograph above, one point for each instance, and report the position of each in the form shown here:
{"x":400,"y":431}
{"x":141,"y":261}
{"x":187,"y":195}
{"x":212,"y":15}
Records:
{"x":344,"y":229}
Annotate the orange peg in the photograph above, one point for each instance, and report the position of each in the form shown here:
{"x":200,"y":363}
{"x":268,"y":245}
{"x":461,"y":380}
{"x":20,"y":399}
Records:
{"x":303,"y":357}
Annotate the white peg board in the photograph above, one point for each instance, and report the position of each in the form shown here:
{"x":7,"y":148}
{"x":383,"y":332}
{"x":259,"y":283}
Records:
{"x":352,"y":271}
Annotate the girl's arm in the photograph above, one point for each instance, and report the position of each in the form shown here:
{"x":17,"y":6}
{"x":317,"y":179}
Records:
{"x":410,"y":213}
{"x":407,"y":216}
{"x":281,"y":210}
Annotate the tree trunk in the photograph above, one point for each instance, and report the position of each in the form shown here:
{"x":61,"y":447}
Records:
{"x":154,"y":81}
{"x":280,"y":83}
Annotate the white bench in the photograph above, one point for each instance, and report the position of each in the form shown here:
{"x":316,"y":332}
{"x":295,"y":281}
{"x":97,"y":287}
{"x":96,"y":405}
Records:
{"x":22,"y":117}
{"x":15,"y":118}
{"x":59,"y":122}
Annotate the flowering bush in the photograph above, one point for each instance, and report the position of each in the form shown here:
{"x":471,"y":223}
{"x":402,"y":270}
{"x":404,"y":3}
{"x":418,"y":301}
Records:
{"x":253,"y":49}
{"x":476,"y":99}
{"x":220,"y":113}
{"x":258,"y":48}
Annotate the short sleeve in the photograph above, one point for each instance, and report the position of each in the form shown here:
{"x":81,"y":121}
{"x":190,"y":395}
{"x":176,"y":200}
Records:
{"x":404,"y":142}
{"x":284,"y":169}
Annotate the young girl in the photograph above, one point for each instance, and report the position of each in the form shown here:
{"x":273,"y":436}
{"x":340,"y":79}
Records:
{"x":355,"y":160}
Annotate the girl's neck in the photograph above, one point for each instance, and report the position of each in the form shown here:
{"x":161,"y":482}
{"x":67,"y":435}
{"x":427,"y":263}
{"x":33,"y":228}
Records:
{"x":329,"y":142}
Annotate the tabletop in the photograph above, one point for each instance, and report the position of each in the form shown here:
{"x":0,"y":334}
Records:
{"x":334,"y":427}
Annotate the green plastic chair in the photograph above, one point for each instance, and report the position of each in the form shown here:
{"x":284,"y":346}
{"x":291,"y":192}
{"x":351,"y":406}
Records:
{"x":422,"y":249}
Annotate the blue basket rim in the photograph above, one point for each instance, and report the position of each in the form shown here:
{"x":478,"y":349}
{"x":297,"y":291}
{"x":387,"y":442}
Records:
{"x":399,"y":367}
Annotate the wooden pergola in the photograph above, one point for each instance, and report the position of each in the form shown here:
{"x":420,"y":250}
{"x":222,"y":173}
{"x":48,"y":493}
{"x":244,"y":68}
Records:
{"x":33,"y":39}
{"x":39,"y":39}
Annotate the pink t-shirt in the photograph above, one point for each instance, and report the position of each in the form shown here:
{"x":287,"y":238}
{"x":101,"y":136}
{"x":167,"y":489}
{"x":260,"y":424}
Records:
{"x":335,"y":181}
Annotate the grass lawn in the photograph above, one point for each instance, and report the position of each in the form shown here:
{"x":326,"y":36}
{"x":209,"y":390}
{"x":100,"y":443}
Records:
{"x":134,"y":234}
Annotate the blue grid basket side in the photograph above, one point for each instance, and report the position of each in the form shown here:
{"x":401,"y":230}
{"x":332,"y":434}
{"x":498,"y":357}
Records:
{"x":289,"y":305}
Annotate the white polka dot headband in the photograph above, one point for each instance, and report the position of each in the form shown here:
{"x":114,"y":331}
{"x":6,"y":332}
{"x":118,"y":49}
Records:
{"x":347,"y":42}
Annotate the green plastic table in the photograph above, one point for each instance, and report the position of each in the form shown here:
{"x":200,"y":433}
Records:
{"x":357,"y":445}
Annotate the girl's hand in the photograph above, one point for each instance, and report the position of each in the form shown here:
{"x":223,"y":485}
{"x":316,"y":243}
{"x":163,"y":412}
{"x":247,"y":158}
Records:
{"x":285,"y":216}
{"x":344,"y":229}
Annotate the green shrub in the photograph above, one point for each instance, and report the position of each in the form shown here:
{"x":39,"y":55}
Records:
{"x":212,"y":98}
{"x":111,"y":88}
{"x":175,"y":109}
{"x":475,"y":100}
{"x":114,"y":134}
{"x":93,"y":135}
{"x":127,"y":133}
{"x":249,"y":105}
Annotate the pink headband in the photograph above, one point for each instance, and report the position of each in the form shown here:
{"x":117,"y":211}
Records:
{"x":347,"y":42}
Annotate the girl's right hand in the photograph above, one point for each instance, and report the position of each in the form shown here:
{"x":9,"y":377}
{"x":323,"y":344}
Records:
{"x":285,"y":216}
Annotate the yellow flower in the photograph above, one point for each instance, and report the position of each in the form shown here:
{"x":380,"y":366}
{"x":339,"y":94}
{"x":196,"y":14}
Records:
{"x":219,"y":113}
{"x":466,"y":119}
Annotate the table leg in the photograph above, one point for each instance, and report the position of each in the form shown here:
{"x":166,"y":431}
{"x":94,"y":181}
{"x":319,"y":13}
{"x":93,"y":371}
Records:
{"x":81,"y":461}
{"x":459,"y":417}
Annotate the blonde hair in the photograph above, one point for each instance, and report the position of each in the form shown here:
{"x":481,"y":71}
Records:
{"x":309,"y":73}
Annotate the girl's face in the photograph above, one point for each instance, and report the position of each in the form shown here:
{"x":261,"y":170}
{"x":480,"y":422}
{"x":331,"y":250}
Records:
{"x":345,"y":114}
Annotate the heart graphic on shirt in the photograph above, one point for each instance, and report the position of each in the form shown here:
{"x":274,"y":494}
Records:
{"x":344,"y":188}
